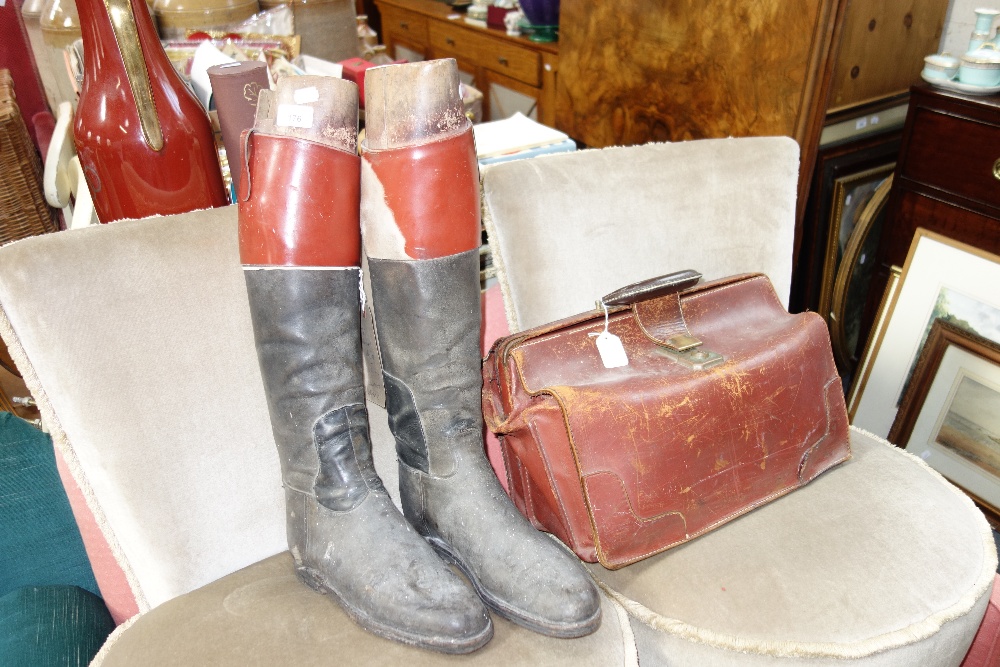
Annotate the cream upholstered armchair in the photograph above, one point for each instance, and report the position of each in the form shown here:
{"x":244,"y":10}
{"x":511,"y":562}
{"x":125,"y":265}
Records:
{"x":135,"y":338}
{"x":852,"y":569}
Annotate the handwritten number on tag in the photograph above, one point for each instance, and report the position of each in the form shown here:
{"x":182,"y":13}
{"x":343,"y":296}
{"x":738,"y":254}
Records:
{"x":294,"y":115}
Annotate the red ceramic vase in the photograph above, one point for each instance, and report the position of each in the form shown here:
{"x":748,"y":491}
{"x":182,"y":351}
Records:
{"x":144,"y":141}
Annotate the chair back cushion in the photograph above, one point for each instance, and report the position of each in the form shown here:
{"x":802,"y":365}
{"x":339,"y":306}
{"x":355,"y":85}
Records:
{"x":566,"y":229}
{"x":135,"y":339}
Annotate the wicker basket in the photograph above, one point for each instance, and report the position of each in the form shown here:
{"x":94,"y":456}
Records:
{"x":23,"y":209}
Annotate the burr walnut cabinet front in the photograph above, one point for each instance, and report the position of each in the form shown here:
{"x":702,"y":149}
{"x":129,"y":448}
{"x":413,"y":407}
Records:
{"x":671,"y":70}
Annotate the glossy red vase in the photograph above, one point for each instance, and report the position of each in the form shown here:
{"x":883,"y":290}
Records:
{"x":144,"y":141}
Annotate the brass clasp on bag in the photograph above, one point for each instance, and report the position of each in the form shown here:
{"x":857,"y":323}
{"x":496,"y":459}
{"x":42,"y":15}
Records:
{"x":695,"y":358}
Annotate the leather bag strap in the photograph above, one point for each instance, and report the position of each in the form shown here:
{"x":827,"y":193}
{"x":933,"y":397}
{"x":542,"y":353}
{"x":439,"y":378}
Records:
{"x":662,"y":320}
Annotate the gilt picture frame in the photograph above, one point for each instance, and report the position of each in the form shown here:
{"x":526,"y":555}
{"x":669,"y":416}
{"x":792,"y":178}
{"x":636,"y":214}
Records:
{"x":950,"y":414}
{"x":854,"y":276}
{"x":851,"y":196}
{"x":863,"y":368}
{"x":834,"y":163}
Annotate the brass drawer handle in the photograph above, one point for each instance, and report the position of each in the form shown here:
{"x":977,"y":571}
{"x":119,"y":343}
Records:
{"x":404,"y":25}
{"x":996,"y":170}
{"x":449,"y":41}
{"x":502,"y":61}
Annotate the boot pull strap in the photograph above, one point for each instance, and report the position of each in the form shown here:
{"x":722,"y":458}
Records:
{"x":244,"y":193}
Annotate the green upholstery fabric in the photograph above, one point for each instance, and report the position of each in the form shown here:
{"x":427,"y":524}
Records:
{"x":50,"y":613}
{"x":40,"y":543}
{"x":52,"y":626}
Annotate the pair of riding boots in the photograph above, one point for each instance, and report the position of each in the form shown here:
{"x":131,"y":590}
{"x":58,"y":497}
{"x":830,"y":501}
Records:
{"x":303,"y":205}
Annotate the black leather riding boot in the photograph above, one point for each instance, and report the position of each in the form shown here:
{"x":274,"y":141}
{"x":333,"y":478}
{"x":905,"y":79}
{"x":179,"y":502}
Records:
{"x":428,"y":326}
{"x":345,"y":534}
{"x":420,"y":221}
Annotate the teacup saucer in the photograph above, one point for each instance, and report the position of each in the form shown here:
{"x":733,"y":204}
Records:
{"x":959,"y":87}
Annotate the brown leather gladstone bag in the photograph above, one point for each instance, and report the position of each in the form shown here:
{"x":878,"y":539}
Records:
{"x":726,"y":402}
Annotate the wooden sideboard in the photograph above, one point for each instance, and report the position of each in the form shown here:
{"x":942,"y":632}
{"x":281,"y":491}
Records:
{"x":513,"y":73}
{"x":947,"y":180}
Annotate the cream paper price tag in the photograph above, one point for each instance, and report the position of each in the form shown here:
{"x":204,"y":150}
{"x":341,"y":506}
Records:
{"x":306,"y":95}
{"x":609,"y":346}
{"x":611,"y":350}
{"x":294,"y":115}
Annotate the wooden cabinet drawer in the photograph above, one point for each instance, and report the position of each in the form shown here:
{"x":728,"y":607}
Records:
{"x":445,"y":37}
{"x":405,"y":25}
{"x":916,"y":210}
{"x":957,"y":154}
{"x":514,"y":61}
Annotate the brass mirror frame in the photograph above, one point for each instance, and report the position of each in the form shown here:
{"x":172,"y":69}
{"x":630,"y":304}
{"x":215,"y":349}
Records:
{"x":852,"y":252}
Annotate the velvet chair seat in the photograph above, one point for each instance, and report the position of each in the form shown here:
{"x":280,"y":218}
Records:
{"x":818,"y":577}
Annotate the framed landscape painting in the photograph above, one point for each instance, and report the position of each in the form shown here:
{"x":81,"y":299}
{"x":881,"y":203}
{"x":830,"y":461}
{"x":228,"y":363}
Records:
{"x":941,"y":279}
{"x":950,"y":414}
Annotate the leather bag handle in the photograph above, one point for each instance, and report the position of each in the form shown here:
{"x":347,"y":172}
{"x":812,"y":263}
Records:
{"x":652,"y":288}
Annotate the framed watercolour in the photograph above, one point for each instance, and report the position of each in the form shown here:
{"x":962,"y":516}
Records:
{"x":950,"y":414}
{"x":940,"y":279}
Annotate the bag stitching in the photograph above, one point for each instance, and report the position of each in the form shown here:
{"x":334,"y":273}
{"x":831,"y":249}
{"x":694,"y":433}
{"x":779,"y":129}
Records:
{"x":555,"y":487}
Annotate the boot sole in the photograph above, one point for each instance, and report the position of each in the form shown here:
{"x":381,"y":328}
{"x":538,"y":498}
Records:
{"x":316,"y":581}
{"x":561,"y":631}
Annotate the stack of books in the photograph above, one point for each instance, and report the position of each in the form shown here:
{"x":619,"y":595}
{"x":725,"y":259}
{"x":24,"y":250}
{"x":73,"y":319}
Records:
{"x":518,"y":137}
